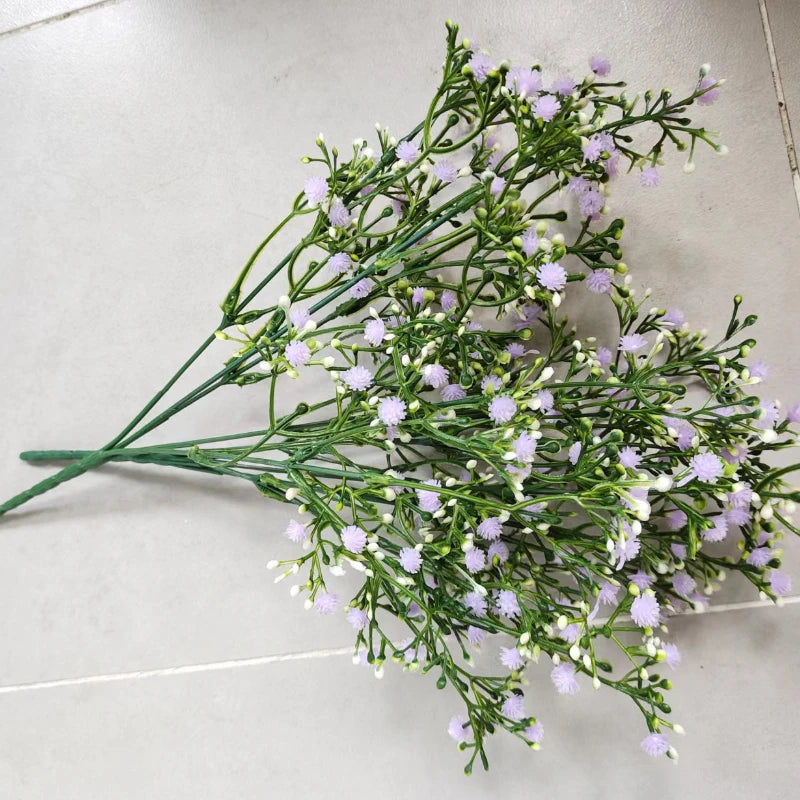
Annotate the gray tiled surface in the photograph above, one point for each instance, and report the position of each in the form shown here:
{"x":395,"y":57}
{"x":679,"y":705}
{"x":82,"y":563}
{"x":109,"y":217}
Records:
{"x":148,"y":146}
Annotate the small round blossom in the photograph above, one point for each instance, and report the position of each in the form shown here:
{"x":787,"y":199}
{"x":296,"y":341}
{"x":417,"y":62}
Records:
{"x":718,"y":530}
{"x":642,"y":580}
{"x":445,"y":171}
{"x":515,"y":349}
{"x":339,"y":263}
{"x":546,"y":107}
{"x":649,"y":177}
{"x":629,"y":458}
{"x":574,"y":452}
{"x":524,"y":81}
{"x":491,"y":528}
{"x":434,"y":375}
{"x":546,"y":400}
{"x":480,"y":64}
{"x":564,"y":85}
{"x":600,"y":65}
{"x":673,"y":654}
{"x":599,"y":281}
{"x":781,"y":582}
{"x":678,"y":550}
{"x":296,"y":531}
{"x":374,"y":331}
{"x":760,"y":557}
{"x":683,"y":584}
{"x":591,"y":202}
{"x":507,"y":603}
{"x":497,"y":185}
{"x":552,"y":276}
{"x":418,"y":295}
{"x":655,"y":744}
{"x":475,"y":560}
{"x":577,"y":184}
{"x":453,"y":392}
{"x":358,"y":378}
{"x":476,"y":603}
{"x":428,"y":500}
{"x":674,"y":316}
{"x":326,"y":603}
{"x":297,"y":353}
{"x":513,"y":707}
{"x":410,"y":560}
{"x":456,"y":728}
{"x":511,"y":659}
{"x":530,"y":242}
{"x":502,"y":409}
{"x":298,"y":316}
{"x":534,"y":733}
{"x":709,"y":95}
{"x":391,"y":410}
{"x":524,"y":447}
{"x":593,"y":149}
{"x":491,"y":380}
{"x":632,"y":342}
{"x":358,"y":619}
{"x":760,"y":370}
{"x":706,"y":467}
{"x":339,"y":216}
{"x":407,"y":151}
{"x":737,"y":516}
{"x":793,"y":413}
{"x":645,"y":611}
{"x":316,"y":190}
{"x":604,"y":356}
{"x":498,"y":550}
{"x":361,"y":289}
{"x":563,"y":677}
{"x":448,"y":300}
{"x":354,"y":538}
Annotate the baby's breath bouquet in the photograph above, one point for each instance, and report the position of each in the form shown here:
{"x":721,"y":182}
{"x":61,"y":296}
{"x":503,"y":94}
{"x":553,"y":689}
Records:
{"x":485,"y":469}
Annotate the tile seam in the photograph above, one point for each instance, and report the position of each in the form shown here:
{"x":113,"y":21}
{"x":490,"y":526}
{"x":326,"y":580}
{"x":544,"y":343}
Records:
{"x":39,"y":23}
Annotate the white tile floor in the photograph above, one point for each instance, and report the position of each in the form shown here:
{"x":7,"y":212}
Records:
{"x":147,"y":146}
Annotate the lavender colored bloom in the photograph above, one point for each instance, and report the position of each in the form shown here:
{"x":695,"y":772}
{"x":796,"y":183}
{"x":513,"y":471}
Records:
{"x":575,"y":452}
{"x":502,"y":409}
{"x":673,"y":654}
{"x":475,"y":560}
{"x":338,"y":215}
{"x":683,"y":584}
{"x":514,"y":707}
{"x":529,"y":313}
{"x":361,"y":289}
{"x":491,"y":528}
{"x":642,"y":580}
{"x":498,"y":550}
{"x":571,"y":633}
{"x":718,"y":531}
{"x":760,"y":557}
{"x":629,"y":458}
{"x":339,"y":263}
{"x":316,"y":190}
{"x":737,"y":516}
{"x":391,"y":410}
{"x":511,"y":659}
{"x":497,"y":185}
{"x":599,"y":281}
{"x":655,"y":744}
{"x":768,"y":415}
{"x":600,"y":65}
{"x":632,"y":342}
{"x":515,"y":349}
{"x":453,"y":392}
{"x":475,"y":635}
{"x":480,"y":64}
{"x":564,"y":85}
{"x":297,"y":353}
{"x":410,"y":560}
{"x":674,"y":316}
{"x":709,"y":95}
{"x":357,"y":618}
{"x":534,"y":733}
{"x":685,"y":432}
{"x":491,"y":380}
{"x":357,"y":378}
{"x":645,"y":611}
{"x":649,"y":177}
{"x":578,"y":185}
{"x":760,"y":370}
{"x":445,"y":171}
{"x":741,"y":498}
{"x":298,"y":317}
{"x":706,"y":467}
{"x":604,"y":356}
{"x":591,"y":202}
{"x":793,"y":413}
{"x":407,"y":151}
{"x":428,"y":500}
{"x":563,"y":677}
{"x":524,"y":447}
{"x":374,"y":331}
{"x":678,"y":550}
{"x":507,"y":603}
{"x":354,"y":538}
{"x":434,"y":375}
{"x":552,"y":276}
{"x":781,"y":582}
{"x":456,"y":728}
{"x":530,"y":242}
{"x":546,"y":107}
{"x":326,"y":603}
{"x":476,"y":603}
{"x":546,"y":399}
{"x":448,"y":300}
{"x":524,"y":81}
{"x":593,"y":149}
{"x":418,"y":295}
{"x":296,"y":531}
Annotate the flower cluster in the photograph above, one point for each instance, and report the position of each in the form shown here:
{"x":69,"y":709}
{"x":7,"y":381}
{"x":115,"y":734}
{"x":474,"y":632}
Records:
{"x":490,"y":474}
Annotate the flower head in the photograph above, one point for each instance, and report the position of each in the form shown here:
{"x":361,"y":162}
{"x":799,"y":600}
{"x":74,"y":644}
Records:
{"x":502,"y":409}
{"x":358,"y":378}
{"x":428,"y":500}
{"x":599,"y":281}
{"x":564,"y":85}
{"x":480,"y":64}
{"x":655,"y":744}
{"x":673,"y":654}
{"x":546,"y":107}
{"x":552,"y":276}
{"x":645,"y":611}
{"x":339,"y":263}
{"x":524,"y":81}
{"x":297,"y":353}
{"x":326,"y":603}
{"x":357,"y":618}
{"x":710,"y":95}
{"x":457,"y":728}
{"x":338,"y":215}
{"x":391,"y":410}
{"x":706,"y":467}
{"x":354,"y":538}
{"x":513,"y":707}
{"x":632,"y":342}
{"x":629,"y":458}
{"x":445,"y":171}
{"x":600,"y":65}
{"x":511,"y":659}
{"x":316,"y":190}
{"x":563,"y":677}
{"x":361,"y":289}
{"x":296,"y":531}
{"x":498,"y":550}
{"x":491,"y":528}
{"x":780,"y":582}
{"x":534,"y":733}
{"x":407,"y":151}
{"x":649,"y":177}
{"x":374,"y":331}
{"x":507,"y":603}
{"x":476,"y":603}
{"x":474,"y":560}
{"x":453,"y":392}
{"x":434,"y":375}
{"x":410,"y":560}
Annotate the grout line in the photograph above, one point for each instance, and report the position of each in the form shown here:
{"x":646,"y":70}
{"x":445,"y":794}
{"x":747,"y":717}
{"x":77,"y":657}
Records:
{"x":57,"y":17}
{"x":257,"y":661}
{"x":782,"y":110}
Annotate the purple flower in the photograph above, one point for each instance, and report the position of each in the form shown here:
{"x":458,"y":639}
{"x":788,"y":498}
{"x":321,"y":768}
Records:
{"x":591,"y":202}
{"x":476,"y":603}
{"x":530,"y":242}
{"x":502,"y":409}
{"x":685,"y":432}
{"x":456,"y":729}
{"x":604,"y":356}
{"x":445,"y":171}
{"x":632,"y":342}
{"x":475,"y":560}
{"x":524,"y":81}
{"x":718,"y":531}
{"x":498,"y":550}
{"x":649,"y":177}
{"x":534,"y":733}
{"x":326,"y":603}
{"x":760,"y":557}
{"x":564,"y":85}
{"x":709,"y":95}
{"x":673,"y":654}
{"x":768,"y":415}
{"x":428,"y":500}
{"x":374,"y":331}
{"x":391,"y":410}
{"x":298,"y":317}
{"x":361,"y":289}
{"x":593,"y":148}
{"x":781,"y":582}
{"x":316,"y":190}
{"x":571,"y":633}
{"x":577,"y":184}
{"x":674,"y":316}
{"x":296,"y":531}
{"x":507,"y":603}
{"x":448,"y":300}
{"x":407,"y":151}
{"x":357,"y":618}
{"x":453,"y":392}
{"x":418,"y":295}
{"x":706,"y":467}
{"x":491,"y":528}
{"x":524,"y":447}
{"x":515,"y":349}
{"x":737,"y":516}
{"x":546,"y":107}
{"x":475,"y":635}
{"x":642,"y":580}
{"x":575,"y":452}
{"x":339,"y":263}
{"x":497,"y":185}
{"x":338,"y":215}
{"x":678,"y":550}
{"x":480,"y":64}
{"x":514,"y":707}
{"x":629,"y":458}
{"x":760,"y":370}
{"x":793,"y":413}
{"x":552,"y":276}
{"x":410,"y":560}
{"x":491,"y":380}
{"x":741,"y":498}
{"x":655,"y":744}
{"x":358,"y":378}
{"x":600,"y":65}
{"x":297,"y":353}
{"x":563,"y":677}
{"x":683,"y":584}
{"x":645,"y":611}
{"x":599,"y":281}
{"x":546,"y":400}
{"x":511,"y":659}
{"x":354,"y":538}
{"x":434,"y":375}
